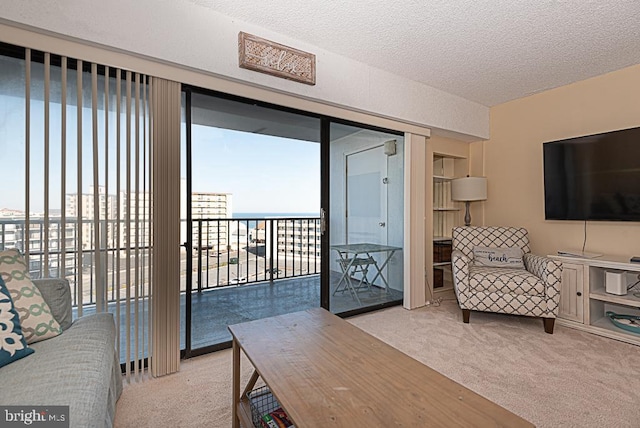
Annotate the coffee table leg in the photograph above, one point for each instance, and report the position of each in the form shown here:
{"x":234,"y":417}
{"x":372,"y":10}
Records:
{"x":236,"y":384}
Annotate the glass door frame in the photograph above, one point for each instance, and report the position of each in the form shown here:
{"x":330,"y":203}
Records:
{"x":325,"y":209}
{"x":325,"y":184}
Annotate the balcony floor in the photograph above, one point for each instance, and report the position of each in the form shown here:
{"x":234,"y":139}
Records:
{"x":214,"y":309}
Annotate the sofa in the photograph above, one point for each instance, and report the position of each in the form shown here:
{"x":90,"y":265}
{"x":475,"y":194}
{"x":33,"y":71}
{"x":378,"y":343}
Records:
{"x":78,"y":368}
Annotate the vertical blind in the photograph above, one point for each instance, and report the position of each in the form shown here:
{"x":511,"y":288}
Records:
{"x":165,"y":308}
{"x":83,"y":206}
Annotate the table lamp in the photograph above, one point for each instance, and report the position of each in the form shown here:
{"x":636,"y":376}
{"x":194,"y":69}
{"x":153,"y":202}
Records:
{"x":469,"y":189}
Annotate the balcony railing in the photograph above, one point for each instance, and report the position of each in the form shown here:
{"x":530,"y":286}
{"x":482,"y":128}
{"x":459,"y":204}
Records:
{"x":249,"y":250}
{"x":71,"y":254}
{"x":225,"y":252}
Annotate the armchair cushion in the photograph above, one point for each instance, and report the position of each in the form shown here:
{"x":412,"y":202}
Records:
{"x":505,"y":280}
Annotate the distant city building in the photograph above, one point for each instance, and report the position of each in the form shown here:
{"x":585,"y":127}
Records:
{"x":124,"y":218}
{"x":300,"y":237}
{"x":82,"y":206}
{"x":259,"y":233}
{"x":9,"y":213}
{"x":207,"y":231}
{"x":14,"y":234}
{"x":120,"y":227}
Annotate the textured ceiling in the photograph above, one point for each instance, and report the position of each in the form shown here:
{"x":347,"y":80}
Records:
{"x":488,"y":51}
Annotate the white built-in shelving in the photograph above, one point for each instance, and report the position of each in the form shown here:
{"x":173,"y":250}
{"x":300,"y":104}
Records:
{"x":445,"y":217}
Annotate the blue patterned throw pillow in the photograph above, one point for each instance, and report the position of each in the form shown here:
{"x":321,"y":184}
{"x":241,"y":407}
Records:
{"x":12,"y":343}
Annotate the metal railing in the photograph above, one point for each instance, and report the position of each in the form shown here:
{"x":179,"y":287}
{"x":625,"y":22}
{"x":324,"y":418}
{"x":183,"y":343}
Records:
{"x":68,"y":257}
{"x":249,"y":250}
{"x":225,"y":252}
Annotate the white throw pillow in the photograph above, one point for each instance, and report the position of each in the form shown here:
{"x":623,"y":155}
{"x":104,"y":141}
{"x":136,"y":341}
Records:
{"x":498,"y":257}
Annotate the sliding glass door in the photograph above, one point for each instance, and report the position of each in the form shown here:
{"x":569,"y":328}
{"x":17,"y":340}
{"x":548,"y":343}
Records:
{"x":366,"y":221}
{"x":251,"y":233}
{"x":284,"y":211}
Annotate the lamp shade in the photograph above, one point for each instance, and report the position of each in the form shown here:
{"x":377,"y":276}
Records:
{"x":469,"y":189}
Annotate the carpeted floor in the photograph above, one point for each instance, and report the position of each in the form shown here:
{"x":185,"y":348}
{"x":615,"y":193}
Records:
{"x":568,"y":379}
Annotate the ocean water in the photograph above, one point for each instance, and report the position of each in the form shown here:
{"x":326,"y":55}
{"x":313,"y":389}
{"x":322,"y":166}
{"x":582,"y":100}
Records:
{"x":252,"y":223}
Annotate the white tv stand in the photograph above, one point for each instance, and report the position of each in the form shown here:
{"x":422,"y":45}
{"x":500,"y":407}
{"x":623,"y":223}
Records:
{"x":584,"y":301}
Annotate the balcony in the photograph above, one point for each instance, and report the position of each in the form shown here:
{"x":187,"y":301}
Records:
{"x":238,"y":272}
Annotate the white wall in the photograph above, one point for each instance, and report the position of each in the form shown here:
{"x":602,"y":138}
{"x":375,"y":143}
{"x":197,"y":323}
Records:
{"x":182,"y":32}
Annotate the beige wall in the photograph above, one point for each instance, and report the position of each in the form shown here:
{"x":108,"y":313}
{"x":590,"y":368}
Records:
{"x":513,"y":159}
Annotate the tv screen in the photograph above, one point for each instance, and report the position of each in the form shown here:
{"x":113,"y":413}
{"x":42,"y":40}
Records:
{"x":595,"y":177}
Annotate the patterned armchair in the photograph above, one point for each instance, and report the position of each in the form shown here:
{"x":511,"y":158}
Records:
{"x":533,"y":291}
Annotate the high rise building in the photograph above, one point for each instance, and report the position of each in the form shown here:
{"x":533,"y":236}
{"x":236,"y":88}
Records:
{"x":299,"y":237}
{"x":206,"y":210}
{"x":39,"y":238}
{"x":123,"y":219}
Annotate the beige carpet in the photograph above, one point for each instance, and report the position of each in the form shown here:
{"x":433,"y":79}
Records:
{"x":568,"y":379}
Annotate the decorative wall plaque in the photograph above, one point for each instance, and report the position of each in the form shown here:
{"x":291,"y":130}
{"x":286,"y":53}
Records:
{"x":278,"y":60}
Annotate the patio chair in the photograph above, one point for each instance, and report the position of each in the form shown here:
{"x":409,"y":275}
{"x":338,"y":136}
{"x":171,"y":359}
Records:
{"x":350,"y":267}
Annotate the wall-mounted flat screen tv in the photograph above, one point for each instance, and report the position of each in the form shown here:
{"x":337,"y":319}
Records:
{"x":595,"y":177}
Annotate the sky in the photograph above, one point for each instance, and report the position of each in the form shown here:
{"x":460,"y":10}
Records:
{"x":265,"y":174}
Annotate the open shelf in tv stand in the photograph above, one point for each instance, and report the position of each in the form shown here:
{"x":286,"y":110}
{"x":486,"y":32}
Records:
{"x":584,"y":301}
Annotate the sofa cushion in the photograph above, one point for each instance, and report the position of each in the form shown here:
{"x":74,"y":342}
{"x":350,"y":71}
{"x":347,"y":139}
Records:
{"x":35,"y":315}
{"x":78,"y":368}
{"x":12,"y":343}
{"x":57,"y":294}
{"x":505,"y":280}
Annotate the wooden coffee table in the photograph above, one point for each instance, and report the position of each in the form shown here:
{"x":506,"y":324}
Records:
{"x":326,"y":372}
